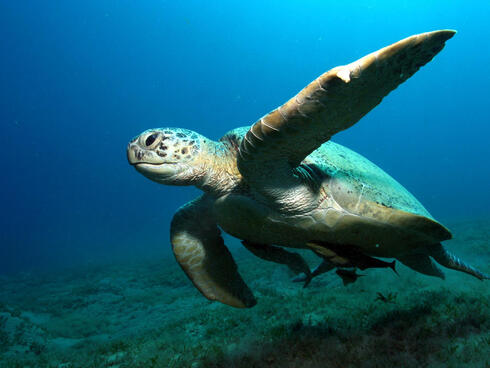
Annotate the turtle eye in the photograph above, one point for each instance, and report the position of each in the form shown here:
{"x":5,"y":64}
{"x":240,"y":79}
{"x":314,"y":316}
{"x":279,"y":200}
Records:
{"x":151,"y":139}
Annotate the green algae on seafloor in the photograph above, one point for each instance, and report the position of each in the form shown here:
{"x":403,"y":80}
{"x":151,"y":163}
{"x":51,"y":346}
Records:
{"x":145,"y":314}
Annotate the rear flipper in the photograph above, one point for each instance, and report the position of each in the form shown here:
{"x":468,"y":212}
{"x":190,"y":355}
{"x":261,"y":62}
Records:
{"x":421,"y":262}
{"x":446,"y":259}
{"x":271,"y":253}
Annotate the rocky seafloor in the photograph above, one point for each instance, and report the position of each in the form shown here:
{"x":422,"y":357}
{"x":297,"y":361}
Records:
{"x":147,"y":314}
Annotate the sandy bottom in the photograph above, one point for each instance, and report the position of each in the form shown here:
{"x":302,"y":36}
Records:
{"x":147,"y":314}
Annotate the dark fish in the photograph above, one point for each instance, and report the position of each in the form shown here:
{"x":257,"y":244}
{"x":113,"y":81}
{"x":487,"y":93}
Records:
{"x":347,"y":276}
{"x":351,"y":256}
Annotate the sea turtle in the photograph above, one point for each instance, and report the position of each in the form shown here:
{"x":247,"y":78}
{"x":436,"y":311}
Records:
{"x":283,"y":183}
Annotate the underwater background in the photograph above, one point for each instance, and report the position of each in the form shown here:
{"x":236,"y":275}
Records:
{"x":87,"y":278}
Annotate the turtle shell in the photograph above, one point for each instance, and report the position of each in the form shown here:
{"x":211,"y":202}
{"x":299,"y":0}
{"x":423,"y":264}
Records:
{"x":374,"y":210}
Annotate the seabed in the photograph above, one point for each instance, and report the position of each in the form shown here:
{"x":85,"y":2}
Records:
{"x":147,"y":314}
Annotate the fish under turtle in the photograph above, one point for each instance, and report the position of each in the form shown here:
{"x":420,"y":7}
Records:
{"x":282,"y":183}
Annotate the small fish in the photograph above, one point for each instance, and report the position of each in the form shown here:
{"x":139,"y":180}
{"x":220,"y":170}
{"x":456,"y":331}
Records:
{"x":370,"y":262}
{"x":349,"y":256}
{"x":347,"y":276}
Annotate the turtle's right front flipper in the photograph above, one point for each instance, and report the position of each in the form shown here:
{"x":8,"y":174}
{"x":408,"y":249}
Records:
{"x":333,"y":102}
{"x":200,"y":251}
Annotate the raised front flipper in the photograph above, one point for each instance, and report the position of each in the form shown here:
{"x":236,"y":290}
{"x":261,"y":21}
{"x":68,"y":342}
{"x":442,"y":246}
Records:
{"x":336,"y":100}
{"x":199,"y":249}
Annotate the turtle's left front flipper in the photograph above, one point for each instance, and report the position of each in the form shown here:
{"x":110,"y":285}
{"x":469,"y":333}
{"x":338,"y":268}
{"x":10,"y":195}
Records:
{"x":200,"y":250}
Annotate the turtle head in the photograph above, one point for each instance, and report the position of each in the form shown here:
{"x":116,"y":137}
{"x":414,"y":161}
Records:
{"x":167,"y":155}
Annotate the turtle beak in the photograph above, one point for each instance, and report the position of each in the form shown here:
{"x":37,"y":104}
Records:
{"x":131,"y":152}
{"x":148,"y":163}
{"x":139,"y":155}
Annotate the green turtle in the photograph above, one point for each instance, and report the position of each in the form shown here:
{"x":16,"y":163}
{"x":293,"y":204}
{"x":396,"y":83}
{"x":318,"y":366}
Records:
{"x":282,"y":183}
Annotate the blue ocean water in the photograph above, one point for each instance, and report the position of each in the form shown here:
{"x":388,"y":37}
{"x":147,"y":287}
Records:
{"x":78,"y":80}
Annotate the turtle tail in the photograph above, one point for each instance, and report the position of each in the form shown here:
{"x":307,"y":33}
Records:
{"x":446,"y":259}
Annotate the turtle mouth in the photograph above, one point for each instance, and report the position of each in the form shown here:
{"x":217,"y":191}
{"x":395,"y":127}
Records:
{"x":157,"y":171}
{"x":143,"y":164}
